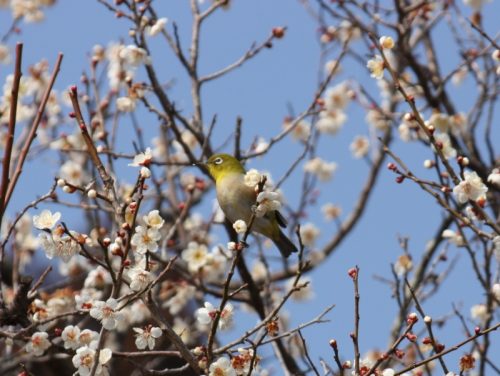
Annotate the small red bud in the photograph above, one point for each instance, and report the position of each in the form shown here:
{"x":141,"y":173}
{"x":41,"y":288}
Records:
{"x":481,"y":202}
{"x":400,"y":179}
{"x":181,"y":205}
{"x":126,"y":262}
{"x":411,"y":337}
{"x":477,"y":330}
{"x":439,"y":145}
{"x":74,"y":89}
{"x":392,"y":166}
{"x":439,"y":347}
{"x":353,"y":273}
{"x":399,"y":353}
{"x":57,"y":332}
{"x":427,"y":341}
{"x":333,"y":344}
{"x":412,"y":318}
{"x":279,"y":32}
{"x":72,"y":115}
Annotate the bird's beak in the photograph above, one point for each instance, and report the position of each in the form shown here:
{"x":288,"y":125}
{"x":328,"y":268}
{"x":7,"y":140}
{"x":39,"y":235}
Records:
{"x":200,"y":164}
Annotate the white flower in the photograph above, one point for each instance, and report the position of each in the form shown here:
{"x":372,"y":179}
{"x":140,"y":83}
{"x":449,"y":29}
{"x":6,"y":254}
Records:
{"x":479,"y":312}
{"x":261,"y":146}
{"x":134,"y":55}
{"x":444,"y":143}
{"x":38,"y":343}
{"x":139,"y":278}
{"x":331,"y":121}
{"x":494,"y":177}
{"x":440,"y":121}
{"x":323,"y":170}
{"x":337,"y":98}
{"x":309,"y":233}
{"x":241,"y":362}
{"x":142,"y":159}
{"x":64,"y":247}
{"x":222,"y":367}
{"x":453,"y":237}
{"x":157,"y":27}
{"x":496,"y":291}
{"x":70,"y":335}
{"x":4,"y":54}
{"x":196,"y":255}
{"x":145,"y":172}
{"x":305,"y":293}
{"x":471,"y":188}
{"x":208,"y":313}
{"x":87,"y":337}
{"x":386,"y":42}
{"x":154,"y":220}
{"x":476,"y":4}
{"x":240,"y":226}
{"x":267,"y":202}
{"x":46,"y":220}
{"x":106,"y":314}
{"x":145,"y":239}
{"x":360,"y":146}
{"x":376,"y":67}
{"x":377,"y":119}
{"x":331,"y":211}
{"x":252,"y":177}
{"x":125,"y":104}
{"x":301,"y":130}
{"x":85,"y":357}
{"x":73,"y":172}
{"x":146,"y":337}
{"x":97,"y":278}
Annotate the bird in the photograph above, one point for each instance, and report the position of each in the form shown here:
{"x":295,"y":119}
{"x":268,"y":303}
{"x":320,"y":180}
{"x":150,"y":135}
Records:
{"x":236,"y":200}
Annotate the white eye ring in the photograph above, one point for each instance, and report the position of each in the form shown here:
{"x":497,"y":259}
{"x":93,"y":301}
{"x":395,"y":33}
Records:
{"x":218,"y":161}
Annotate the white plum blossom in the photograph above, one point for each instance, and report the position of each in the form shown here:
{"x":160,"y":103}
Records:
{"x":142,"y":159}
{"x":267,"y":202}
{"x":125,"y":104}
{"x":494,"y":177}
{"x":145,"y":239}
{"x":377,"y":119}
{"x":331,"y":121}
{"x":440,"y":121}
{"x":46,"y":220}
{"x":496,"y":291}
{"x":195,"y":255}
{"x":479,"y":312}
{"x":337,"y":97}
{"x":60,"y":246}
{"x":444,"y":143}
{"x":305,"y":293}
{"x":139,"y":278}
{"x":261,"y":145}
{"x":453,"y":237}
{"x":134,"y":55}
{"x":38,"y":343}
{"x":309,"y":233}
{"x":252,"y":178}
{"x":386,"y":42}
{"x":471,"y":188}
{"x":98,"y":278}
{"x":221,"y":367}
{"x":240,"y":226}
{"x":476,"y":4}
{"x":208,"y":313}
{"x":154,"y":220}
{"x":146,"y":337}
{"x":242,"y":361}
{"x":331,"y":211}
{"x":4,"y":54}
{"x":73,"y":172}
{"x":376,"y":67}
{"x":360,"y":146}
{"x":105,"y":313}
{"x":301,"y":129}
{"x":88,"y":337}
{"x":71,"y":337}
{"x":323,"y":170}
{"x":84,"y":360}
{"x":158,"y":26}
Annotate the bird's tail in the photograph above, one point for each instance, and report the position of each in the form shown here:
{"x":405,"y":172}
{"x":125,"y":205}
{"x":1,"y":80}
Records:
{"x":285,"y":245}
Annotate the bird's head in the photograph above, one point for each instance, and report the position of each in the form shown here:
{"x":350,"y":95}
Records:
{"x":220,"y":165}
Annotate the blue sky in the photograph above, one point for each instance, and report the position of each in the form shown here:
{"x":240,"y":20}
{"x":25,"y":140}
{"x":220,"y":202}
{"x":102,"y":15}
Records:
{"x":261,"y":92}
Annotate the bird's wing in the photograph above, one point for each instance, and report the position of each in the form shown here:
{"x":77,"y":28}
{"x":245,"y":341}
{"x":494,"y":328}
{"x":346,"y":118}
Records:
{"x":281,"y":220}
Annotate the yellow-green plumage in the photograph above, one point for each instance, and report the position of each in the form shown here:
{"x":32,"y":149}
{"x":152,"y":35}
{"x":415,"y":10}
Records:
{"x":236,"y":200}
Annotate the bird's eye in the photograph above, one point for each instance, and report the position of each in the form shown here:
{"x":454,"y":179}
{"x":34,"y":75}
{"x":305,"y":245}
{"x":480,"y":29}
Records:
{"x":218,"y":161}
